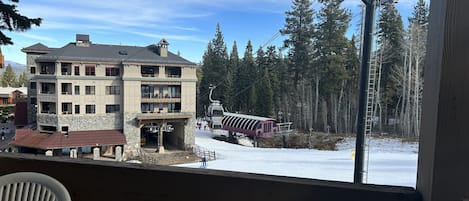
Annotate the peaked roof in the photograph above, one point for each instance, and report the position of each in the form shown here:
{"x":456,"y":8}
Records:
{"x":38,"y":47}
{"x":9,"y":90}
{"x":112,"y":53}
{"x":34,"y":139}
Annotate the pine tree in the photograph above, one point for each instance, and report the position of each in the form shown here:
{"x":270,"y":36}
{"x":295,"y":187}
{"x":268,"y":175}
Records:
{"x":300,"y":30}
{"x":232,"y":71}
{"x":245,"y":81}
{"x":330,"y":71}
{"x":9,"y":77}
{"x":391,"y":48}
{"x":274,"y":67}
{"x":23,"y":80}
{"x":263,"y":105}
{"x":214,"y":70}
{"x":331,"y":43}
{"x":12,"y":20}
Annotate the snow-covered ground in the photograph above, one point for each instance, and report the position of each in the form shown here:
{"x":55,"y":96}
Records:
{"x":391,"y":162}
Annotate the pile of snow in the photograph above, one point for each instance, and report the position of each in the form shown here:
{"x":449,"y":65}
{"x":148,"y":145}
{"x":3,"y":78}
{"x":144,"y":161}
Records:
{"x":390,"y":161}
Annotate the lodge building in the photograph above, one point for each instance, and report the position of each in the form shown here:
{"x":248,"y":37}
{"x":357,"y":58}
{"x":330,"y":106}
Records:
{"x":114,"y":97}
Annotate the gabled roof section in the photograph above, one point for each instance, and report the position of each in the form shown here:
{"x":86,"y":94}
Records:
{"x":38,"y":47}
{"x":113,"y":53}
{"x":10,"y":90}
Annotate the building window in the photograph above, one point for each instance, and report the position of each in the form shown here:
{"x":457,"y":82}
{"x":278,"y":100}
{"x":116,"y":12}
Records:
{"x":90,"y":109}
{"x":32,"y":70}
{"x":147,"y":107}
{"x":4,"y":101}
{"x":113,"y":108}
{"x":174,"y":107}
{"x":173,"y":92}
{"x":112,"y":71}
{"x":147,"y":91}
{"x":66,"y":108}
{"x":77,"y":90}
{"x":32,"y":85}
{"x":173,"y":72}
{"x":33,"y":101}
{"x":89,"y":90}
{"x":90,"y":71}
{"x":113,"y":90}
{"x":66,"y":68}
{"x":150,"y":71}
{"x":66,"y":88}
{"x":47,"y":88}
{"x":48,"y":108}
{"x":77,"y":70}
{"x":77,"y":109}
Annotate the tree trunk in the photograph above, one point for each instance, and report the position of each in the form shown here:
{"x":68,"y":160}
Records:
{"x":316,"y":102}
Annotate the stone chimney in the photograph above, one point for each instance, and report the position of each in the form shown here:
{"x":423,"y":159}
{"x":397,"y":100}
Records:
{"x":82,"y":40}
{"x":163,"y":48}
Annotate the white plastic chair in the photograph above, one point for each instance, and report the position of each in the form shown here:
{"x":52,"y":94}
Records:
{"x":31,"y":186}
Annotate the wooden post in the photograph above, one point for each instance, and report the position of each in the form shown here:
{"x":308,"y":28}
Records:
{"x":443,"y":162}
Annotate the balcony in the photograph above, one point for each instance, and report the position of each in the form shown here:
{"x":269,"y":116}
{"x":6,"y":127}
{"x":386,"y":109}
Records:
{"x":173,"y":72}
{"x":66,"y":69}
{"x":150,"y":71}
{"x":47,"y":69}
{"x":258,"y":187}
{"x":48,"y":108}
{"x":47,"y":88}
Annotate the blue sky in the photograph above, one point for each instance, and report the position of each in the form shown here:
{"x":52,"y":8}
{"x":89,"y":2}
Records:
{"x":188,"y":25}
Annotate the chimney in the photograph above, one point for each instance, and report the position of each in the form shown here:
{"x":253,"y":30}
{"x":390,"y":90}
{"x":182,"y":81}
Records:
{"x":163,"y":48}
{"x":83,"y":40}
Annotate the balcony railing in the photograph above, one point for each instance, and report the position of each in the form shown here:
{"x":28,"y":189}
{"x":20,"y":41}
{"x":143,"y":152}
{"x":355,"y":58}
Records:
{"x":46,"y":73}
{"x":258,"y":187}
{"x":149,"y":75}
{"x":48,"y":92}
{"x":66,"y":92}
{"x":48,"y":112}
{"x":159,"y":96}
{"x":173,"y":75}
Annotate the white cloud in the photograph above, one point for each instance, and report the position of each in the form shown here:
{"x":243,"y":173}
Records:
{"x":170,"y":36}
{"x":37,"y":37}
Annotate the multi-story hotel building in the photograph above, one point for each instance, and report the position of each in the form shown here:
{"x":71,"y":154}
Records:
{"x":95,"y":95}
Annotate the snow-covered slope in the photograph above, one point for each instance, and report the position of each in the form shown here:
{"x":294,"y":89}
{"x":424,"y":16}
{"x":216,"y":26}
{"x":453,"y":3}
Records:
{"x":391,"y":162}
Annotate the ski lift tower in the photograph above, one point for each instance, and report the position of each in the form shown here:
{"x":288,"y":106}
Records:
{"x":367,"y":84}
{"x":214,"y":114}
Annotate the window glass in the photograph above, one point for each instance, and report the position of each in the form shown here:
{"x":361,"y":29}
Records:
{"x":90,"y":109}
{"x":90,"y":71}
{"x":90,"y":90}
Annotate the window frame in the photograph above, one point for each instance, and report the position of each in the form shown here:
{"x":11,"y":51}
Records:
{"x":90,"y":109}
{"x":112,"y":108}
{"x":113,"y":90}
{"x":90,"y":70}
{"x":112,"y":71}
{"x":90,"y":90}
{"x":77,"y":109}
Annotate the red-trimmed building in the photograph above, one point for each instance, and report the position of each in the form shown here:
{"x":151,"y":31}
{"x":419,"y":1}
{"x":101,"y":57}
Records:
{"x":28,"y":139}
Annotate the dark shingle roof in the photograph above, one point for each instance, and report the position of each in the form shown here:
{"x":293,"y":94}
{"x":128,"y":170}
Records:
{"x":112,"y":53}
{"x":37,"y":47}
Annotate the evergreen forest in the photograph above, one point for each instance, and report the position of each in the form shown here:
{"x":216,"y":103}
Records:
{"x":312,"y":79}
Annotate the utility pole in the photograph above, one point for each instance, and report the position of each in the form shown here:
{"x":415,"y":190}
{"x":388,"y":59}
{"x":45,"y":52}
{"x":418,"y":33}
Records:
{"x":362,"y":99}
